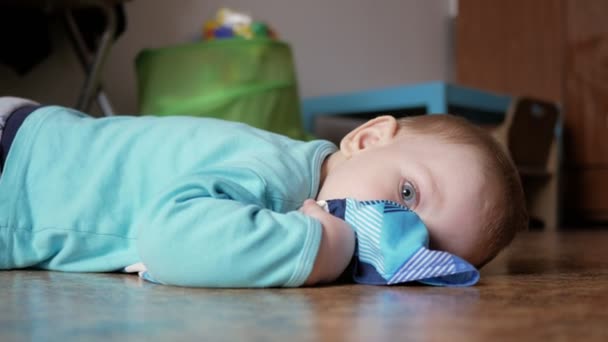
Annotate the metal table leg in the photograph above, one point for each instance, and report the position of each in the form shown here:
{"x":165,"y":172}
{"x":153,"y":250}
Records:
{"x":93,"y":62}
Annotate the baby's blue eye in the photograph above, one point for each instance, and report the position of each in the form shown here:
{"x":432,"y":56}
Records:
{"x":408,"y":194}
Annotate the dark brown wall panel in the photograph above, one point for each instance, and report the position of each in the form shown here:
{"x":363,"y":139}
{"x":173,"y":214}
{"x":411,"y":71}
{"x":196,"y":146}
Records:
{"x":512,"y":46}
{"x":586,"y":96}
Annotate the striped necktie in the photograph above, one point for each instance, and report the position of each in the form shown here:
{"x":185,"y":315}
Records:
{"x":392,"y":246}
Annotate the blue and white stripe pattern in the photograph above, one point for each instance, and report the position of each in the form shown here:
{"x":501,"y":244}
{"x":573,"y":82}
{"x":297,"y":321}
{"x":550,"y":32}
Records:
{"x":424,"y":264}
{"x":392,"y":246}
{"x":367,"y":221}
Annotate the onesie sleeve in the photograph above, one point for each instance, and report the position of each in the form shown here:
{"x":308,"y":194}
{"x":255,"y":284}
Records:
{"x":208,"y":230}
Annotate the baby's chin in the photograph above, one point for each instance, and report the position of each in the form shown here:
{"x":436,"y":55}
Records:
{"x":471,"y":255}
{"x":474,"y":258}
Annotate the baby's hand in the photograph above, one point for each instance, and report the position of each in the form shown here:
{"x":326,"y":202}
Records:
{"x":311,"y":208}
{"x":337,"y":244}
{"x":329,"y":221}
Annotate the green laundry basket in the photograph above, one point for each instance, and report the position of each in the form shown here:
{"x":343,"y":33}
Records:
{"x":251,"y":81}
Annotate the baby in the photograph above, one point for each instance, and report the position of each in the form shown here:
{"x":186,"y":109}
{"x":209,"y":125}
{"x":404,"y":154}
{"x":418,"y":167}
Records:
{"x":205,"y":202}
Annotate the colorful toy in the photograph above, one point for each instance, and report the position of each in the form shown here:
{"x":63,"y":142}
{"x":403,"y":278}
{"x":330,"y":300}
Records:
{"x":232,"y":24}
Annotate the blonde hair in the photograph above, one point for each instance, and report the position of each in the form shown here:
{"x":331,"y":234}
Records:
{"x":508,"y":213}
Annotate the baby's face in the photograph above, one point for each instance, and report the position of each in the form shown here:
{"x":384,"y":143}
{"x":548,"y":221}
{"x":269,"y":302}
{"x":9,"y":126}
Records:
{"x":443,"y":183}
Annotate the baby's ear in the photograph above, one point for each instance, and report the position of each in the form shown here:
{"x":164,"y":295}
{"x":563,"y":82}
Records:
{"x":375,"y":132}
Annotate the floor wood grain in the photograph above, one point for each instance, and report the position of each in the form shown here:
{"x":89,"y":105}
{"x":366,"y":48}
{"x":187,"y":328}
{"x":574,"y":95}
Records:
{"x":546,"y":286}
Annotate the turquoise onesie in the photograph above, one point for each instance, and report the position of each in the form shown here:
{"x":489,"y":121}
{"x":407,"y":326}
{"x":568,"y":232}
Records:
{"x":201,"y":202}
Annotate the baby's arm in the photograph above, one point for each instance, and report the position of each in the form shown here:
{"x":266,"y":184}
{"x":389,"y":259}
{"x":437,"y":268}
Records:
{"x":336,"y":248}
{"x":213,"y":229}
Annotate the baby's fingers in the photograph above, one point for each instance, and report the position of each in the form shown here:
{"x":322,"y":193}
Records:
{"x":309,"y":203}
{"x":310,"y":208}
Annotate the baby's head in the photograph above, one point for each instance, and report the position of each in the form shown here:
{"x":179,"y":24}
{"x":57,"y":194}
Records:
{"x":454,"y":175}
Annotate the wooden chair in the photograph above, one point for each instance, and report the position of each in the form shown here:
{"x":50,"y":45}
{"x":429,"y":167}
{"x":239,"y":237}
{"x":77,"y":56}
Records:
{"x":529,"y":132}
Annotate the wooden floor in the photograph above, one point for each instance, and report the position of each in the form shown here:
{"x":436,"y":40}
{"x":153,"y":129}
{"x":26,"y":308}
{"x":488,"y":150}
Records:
{"x":546,"y":287}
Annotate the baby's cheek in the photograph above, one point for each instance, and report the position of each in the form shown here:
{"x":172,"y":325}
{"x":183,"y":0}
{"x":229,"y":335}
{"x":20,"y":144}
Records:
{"x":442,"y":240}
{"x":434,"y":240}
{"x":461,"y":246}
